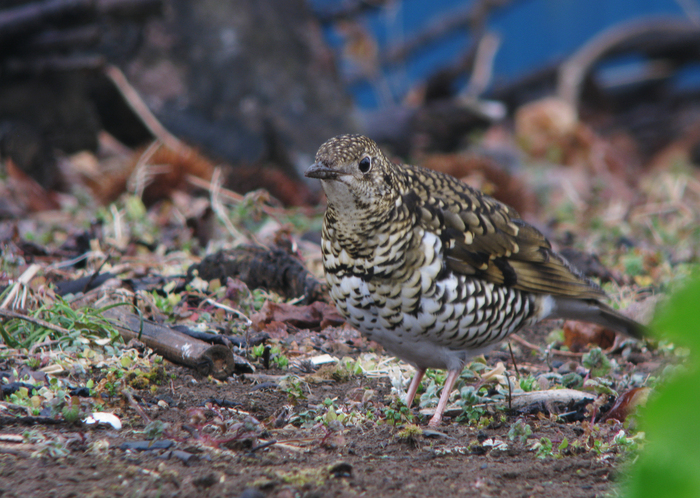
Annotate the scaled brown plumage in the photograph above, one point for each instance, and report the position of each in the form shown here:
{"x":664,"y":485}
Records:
{"x":433,"y":269}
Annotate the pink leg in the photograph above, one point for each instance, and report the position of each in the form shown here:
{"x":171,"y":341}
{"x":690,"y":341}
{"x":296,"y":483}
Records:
{"x":413,"y":387}
{"x":442,"y":404}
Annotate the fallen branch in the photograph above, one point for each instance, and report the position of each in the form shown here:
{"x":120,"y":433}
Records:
{"x":215,"y":360}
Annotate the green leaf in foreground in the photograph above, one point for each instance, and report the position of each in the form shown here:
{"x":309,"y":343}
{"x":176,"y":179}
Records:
{"x":669,"y":466}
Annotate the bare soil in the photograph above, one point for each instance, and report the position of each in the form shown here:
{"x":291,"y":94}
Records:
{"x":214,"y":452}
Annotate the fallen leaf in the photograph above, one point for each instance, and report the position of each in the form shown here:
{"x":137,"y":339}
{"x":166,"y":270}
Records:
{"x":578,"y":335}
{"x":314,"y":316}
{"x":627,"y":403}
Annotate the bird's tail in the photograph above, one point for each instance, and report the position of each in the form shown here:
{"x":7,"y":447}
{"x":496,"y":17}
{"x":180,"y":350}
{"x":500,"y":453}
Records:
{"x":596,"y":312}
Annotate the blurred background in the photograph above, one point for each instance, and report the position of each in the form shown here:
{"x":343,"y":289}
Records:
{"x":253,"y":87}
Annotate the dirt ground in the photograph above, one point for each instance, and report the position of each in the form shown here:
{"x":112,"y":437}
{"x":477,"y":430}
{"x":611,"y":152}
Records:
{"x":234,"y":438}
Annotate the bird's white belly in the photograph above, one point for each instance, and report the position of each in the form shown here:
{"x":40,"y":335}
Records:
{"x":449,"y":328}
{"x":427,"y":322}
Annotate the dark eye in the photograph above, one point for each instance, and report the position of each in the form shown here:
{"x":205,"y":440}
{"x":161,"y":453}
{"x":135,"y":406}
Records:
{"x":365,"y":164}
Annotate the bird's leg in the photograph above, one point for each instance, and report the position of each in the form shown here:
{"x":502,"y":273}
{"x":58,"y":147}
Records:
{"x":442,"y":404}
{"x":413,"y":387}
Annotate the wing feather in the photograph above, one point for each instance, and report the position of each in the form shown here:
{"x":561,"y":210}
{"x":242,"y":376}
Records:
{"x":487,"y":239}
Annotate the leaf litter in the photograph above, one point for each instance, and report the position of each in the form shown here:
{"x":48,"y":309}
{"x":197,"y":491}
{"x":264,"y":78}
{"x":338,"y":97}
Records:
{"x":91,"y":408}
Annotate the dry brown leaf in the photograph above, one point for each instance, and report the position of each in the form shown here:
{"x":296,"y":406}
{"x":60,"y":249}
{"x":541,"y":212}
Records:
{"x":578,"y":335}
{"x":314,"y":316}
{"x":627,"y":403}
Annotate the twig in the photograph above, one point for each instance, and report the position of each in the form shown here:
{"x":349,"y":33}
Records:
{"x":94,"y":274}
{"x":230,"y":194}
{"x":218,"y":208}
{"x":42,"y":345}
{"x":229,"y":310}
{"x":474,"y":14}
{"x":535,"y":347}
{"x":134,"y":100}
{"x":512,"y":357}
{"x":35,"y":321}
{"x":264,"y":445}
{"x":130,"y":398}
{"x":482,"y":70}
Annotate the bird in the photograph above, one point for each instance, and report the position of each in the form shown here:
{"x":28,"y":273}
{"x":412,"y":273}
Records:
{"x":435,"y":271}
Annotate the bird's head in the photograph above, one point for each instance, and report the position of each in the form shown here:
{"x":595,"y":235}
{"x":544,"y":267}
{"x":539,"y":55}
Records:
{"x":355,"y":174}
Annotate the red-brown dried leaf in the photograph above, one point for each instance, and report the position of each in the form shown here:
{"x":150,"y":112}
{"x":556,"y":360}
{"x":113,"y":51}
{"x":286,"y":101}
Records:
{"x":627,"y":403}
{"x":275,"y":329}
{"x":578,"y":335}
{"x":28,"y":195}
{"x":313,"y":316}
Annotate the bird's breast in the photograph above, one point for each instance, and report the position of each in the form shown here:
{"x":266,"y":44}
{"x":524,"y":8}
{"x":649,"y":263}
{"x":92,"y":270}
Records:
{"x":423,"y":308}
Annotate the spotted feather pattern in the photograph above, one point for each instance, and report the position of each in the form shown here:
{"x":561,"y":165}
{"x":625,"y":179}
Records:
{"x":431,"y":268}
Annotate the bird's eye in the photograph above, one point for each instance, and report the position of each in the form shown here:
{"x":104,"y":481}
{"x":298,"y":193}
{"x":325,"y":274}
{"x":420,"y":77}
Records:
{"x":365,"y":164}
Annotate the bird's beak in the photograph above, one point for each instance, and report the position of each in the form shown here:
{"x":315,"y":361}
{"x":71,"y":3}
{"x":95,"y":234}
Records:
{"x":322,"y":172}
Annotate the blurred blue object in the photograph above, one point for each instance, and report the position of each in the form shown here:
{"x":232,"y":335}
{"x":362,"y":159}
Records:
{"x":533,"y":34}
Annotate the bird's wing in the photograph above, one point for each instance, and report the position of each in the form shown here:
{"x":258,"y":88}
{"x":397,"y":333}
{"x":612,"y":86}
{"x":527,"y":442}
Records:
{"x":487,"y":239}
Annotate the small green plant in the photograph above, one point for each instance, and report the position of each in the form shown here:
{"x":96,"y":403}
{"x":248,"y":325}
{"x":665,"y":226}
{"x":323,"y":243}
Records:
{"x":430,"y":396}
{"x":333,"y":414}
{"x":669,"y":466}
{"x":410,"y":435}
{"x":528,"y":384}
{"x":71,"y":412}
{"x":627,"y":444}
{"x":305,"y":419}
{"x":472,"y":415}
{"x":563,"y":446}
{"x":58,"y":321}
{"x":397,"y":413}
{"x":20,"y":396}
{"x":596,"y":361}
{"x":543,"y":448}
{"x":294,"y":387}
{"x":257,"y":351}
{"x":600,"y":447}
{"x":278,"y":358}
{"x":520,"y":430}
{"x":166,"y":304}
{"x":155,"y":429}
{"x":572,"y":380}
